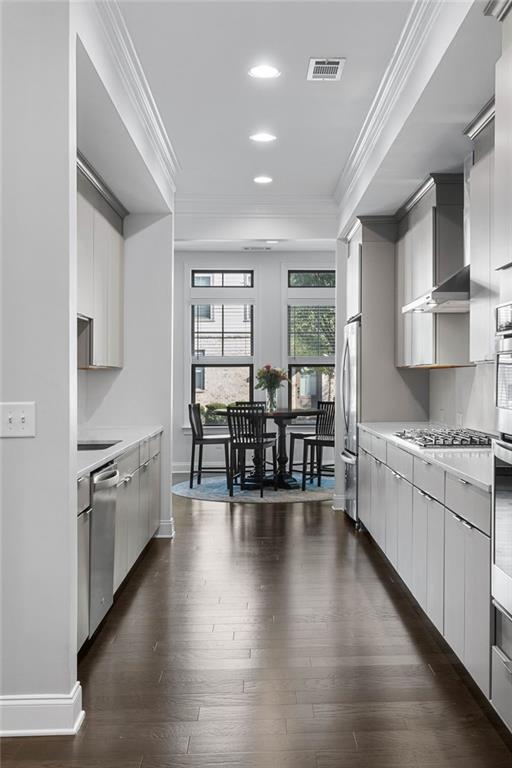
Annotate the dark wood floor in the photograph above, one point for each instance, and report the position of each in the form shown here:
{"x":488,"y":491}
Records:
{"x":269,"y":637}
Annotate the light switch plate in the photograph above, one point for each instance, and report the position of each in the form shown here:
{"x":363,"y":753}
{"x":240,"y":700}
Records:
{"x":17,"y":419}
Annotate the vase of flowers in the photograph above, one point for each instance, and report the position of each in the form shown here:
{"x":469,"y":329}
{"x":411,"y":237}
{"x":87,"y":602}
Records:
{"x":270,"y":379}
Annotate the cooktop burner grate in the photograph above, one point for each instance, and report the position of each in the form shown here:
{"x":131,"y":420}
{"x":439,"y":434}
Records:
{"x":445,"y":437}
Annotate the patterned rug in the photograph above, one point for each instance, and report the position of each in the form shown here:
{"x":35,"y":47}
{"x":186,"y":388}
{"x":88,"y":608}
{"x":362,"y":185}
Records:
{"x":214,"y":489}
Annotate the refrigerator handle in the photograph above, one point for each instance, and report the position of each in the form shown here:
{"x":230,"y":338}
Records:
{"x":346,"y":459}
{"x":343,"y":373}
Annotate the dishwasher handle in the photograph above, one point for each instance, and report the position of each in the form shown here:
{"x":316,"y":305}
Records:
{"x":107,"y":479}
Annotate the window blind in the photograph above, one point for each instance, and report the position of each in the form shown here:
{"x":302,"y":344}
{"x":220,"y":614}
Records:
{"x":311,"y":331}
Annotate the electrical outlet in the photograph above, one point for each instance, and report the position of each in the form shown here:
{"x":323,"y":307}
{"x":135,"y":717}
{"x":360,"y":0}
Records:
{"x":17,"y":419}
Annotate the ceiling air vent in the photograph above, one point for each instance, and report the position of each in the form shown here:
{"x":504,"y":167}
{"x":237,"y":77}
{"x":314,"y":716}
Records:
{"x":325,"y":69}
{"x":257,"y":248}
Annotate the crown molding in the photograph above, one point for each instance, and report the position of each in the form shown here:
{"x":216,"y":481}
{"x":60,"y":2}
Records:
{"x":481,"y":121}
{"x":498,"y":8}
{"x":415,"y":32}
{"x":256,"y":206}
{"x":137,"y":87}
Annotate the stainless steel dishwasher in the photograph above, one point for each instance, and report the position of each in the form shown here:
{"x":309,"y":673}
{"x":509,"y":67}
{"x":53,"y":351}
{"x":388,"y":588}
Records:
{"x":103,"y":520}
{"x":83,"y":526}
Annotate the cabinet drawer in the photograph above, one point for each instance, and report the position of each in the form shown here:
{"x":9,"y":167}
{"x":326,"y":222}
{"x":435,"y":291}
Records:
{"x":501,"y":686}
{"x":429,"y":478}
{"x":365,"y":440}
{"x":470,"y":502}
{"x":144,"y":450}
{"x":154,"y":445}
{"x":379,"y":448}
{"x":400,"y":461}
{"x":128,"y":462}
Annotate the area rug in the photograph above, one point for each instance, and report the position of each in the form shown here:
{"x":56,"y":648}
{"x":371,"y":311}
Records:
{"x":214,"y":489}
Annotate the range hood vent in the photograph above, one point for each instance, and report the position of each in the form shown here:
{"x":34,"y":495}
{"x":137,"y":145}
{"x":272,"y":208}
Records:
{"x":452,"y":296}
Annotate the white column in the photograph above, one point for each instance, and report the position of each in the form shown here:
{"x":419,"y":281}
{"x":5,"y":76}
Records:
{"x":39,"y":690}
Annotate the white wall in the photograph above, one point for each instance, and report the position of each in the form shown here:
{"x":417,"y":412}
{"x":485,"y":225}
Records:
{"x":269,"y":330}
{"x":464,"y":396}
{"x":139,"y":394}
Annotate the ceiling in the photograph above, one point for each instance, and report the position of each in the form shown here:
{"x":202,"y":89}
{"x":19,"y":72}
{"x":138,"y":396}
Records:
{"x":196,"y":56}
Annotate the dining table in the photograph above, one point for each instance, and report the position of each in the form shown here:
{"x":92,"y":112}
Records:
{"x":282,"y":418}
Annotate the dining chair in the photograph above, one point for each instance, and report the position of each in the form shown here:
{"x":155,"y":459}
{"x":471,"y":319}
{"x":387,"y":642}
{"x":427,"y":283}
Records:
{"x":294,"y":436}
{"x":200,"y":439}
{"x":315,"y":444}
{"x":246,"y":425}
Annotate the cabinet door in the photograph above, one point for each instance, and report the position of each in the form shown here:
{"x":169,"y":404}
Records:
{"x":378,"y":503}
{"x":422,"y":342}
{"x":454,"y":578}
{"x":155,"y":495}
{"x":121,"y":535}
{"x":477,"y":624}
{"x":403,"y":323}
{"x":83,"y":527}
{"x":503,"y":162}
{"x":419,"y":547}
{"x":115,"y":300}
{"x":435,"y":564}
{"x":422,"y":222}
{"x":404,"y":524}
{"x":133,"y":547}
{"x":364,"y":489}
{"x":145,"y":501}
{"x":353,"y":299}
{"x":85,"y":257}
{"x":480,"y":213}
{"x":391,"y":504}
{"x":102,"y":250}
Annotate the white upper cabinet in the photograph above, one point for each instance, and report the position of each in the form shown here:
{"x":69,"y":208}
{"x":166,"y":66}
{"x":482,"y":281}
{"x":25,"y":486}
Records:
{"x":85,"y":267}
{"x":503,"y":162}
{"x":100,"y":284}
{"x":484,"y":291}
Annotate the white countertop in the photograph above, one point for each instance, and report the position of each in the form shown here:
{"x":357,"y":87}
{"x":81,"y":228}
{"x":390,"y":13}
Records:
{"x":87,"y":461}
{"x":471,"y":464}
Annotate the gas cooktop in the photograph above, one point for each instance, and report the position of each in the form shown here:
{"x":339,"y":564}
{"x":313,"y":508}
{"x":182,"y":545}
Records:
{"x":444,"y":437}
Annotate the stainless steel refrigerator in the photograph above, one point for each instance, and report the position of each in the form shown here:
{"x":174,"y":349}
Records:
{"x":350,"y":401}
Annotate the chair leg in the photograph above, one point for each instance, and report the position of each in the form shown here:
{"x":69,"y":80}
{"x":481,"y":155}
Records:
{"x":231,"y":465}
{"x":200,"y":464}
{"x":192,"y":464}
{"x":319,"y":452}
{"x":292,"y":449}
{"x":312,"y":463}
{"x":304,"y":465}
{"x":262,"y":475}
{"x":241,"y":463}
{"x":274,"y":465}
{"x":226,"y":461}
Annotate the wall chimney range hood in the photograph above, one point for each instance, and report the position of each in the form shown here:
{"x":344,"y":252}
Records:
{"x":451,"y":296}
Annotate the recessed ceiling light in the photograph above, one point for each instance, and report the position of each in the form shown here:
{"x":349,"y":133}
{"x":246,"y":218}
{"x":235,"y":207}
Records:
{"x":265,"y":71}
{"x":263,"y":179}
{"x":272,"y":242}
{"x":263,"y":137}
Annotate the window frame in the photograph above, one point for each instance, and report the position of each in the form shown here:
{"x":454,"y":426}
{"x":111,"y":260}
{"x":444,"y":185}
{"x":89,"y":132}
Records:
{"x":212,"y":317}
{"x":218,"y":271}
{"x":221,"y":365}
{"x":306,"y":365}
{"x":311,"y":287}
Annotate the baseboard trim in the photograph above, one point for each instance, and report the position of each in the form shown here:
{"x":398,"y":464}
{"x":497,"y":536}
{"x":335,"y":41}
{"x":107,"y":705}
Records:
{"x":165,"y":530}
{"x":59,"y":714}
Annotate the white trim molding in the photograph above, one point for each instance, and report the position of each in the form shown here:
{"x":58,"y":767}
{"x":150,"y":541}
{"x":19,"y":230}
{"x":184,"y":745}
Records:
{"x":498,"y":8}
{"x":408,"y":50}
{"x":338,"y":502}
{"x":56,"y":714}
{"x":166,"y":530}
{"x":137,"y":86}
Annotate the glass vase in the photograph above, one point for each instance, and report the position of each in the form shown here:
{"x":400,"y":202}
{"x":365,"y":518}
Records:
{"x":271,"y":400}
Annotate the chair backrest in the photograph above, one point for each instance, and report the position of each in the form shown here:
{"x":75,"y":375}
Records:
{"x":194,"y":415}
{"x":246,"y":423}
{"x":325,"y":419}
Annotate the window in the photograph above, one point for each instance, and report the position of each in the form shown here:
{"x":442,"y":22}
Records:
{"x":222,"y":330}
{"x":228,"y":278}
{"x":311,"y":331}
{"x":306,"y":278}
{"x":309,"y":384}
{"x":222,"y":385}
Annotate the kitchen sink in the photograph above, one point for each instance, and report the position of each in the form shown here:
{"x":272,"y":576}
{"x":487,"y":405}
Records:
{"x":96,"y":446}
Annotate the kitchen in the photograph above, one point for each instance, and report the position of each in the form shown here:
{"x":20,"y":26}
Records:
{"x":375,"y":628}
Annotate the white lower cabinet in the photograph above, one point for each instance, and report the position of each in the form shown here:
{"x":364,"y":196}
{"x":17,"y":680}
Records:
{"x":435,"y":563}
{"x":364,"y":489}
{"x":467,"y":623}
{"x":378,"y":502}
{"x":391,"y":506}
{"x":404,"y":523}
{"x":155,"y":494}
{"x":419,"y":547}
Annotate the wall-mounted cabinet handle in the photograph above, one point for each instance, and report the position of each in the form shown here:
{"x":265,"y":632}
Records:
{"x":426,"y":463}
{"x":464,"y":482}
{"x":467,"y":525}
{"x":421,"y":493}
{"x":456,"y":517}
